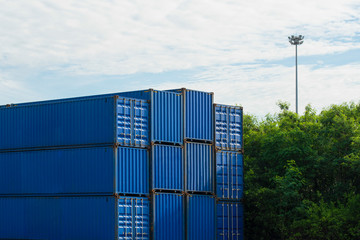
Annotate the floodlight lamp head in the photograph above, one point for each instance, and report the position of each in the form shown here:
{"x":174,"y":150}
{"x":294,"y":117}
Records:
{"x":296,"y":40}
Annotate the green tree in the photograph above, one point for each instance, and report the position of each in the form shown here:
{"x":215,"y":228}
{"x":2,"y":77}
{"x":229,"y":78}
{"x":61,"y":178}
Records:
{"x":302,"y":174}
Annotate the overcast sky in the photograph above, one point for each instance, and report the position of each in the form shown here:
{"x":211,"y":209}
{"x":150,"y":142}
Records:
{"x":237,"y":49}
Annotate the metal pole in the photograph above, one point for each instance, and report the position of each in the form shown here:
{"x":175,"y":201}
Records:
{"x":296,"y":79}
{"x":296,"y":40}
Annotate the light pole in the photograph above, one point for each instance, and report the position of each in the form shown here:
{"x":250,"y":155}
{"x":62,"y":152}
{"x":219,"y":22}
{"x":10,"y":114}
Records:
{"x":296,"y":40}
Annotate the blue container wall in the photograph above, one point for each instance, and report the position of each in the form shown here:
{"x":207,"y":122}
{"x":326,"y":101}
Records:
{"x":169,"y":216}
{"x":198,"y":123}
{"x":78,"y":218}
{"x":134,"y":218}
{"x":167,"y":117}
{"x":199,"y":166}
{"x":167,"y":167}
{"x":59,"y":171}
{"x":229,"y":175}
{"x":201,"y":217}
{"x":229,"y":221}
{"x":91,"y":121}
{"x":132,"y":171}
{"x":166,"y":114}
{"x":75,"y":171}
{"x":228,"y":127}
{"x":58,"y":218}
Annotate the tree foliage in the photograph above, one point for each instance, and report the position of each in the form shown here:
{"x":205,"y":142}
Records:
{"x":302,"y":174}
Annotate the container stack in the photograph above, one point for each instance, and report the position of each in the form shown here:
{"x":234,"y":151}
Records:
{"x":229,"y":171}
{"x":199,"y":165}
{"x":132,"y":165}
{"x":167,"y":163}
{"x":75,"y":169}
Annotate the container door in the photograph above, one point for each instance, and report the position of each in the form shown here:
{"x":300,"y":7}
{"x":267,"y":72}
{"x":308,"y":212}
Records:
{"x":133,"y":218}
{"x":229,"y":175}
{"x":230,"y":221}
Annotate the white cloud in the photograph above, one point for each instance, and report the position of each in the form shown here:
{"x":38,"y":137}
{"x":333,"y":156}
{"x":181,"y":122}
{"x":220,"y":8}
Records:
{"x":11,"y":88}
{"x":225,"y":38}
{"x":124,"y":37}
{"x":259,"y":87}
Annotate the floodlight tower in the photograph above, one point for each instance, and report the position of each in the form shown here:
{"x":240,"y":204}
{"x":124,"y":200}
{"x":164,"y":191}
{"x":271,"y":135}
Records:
{"x":296,"y":40}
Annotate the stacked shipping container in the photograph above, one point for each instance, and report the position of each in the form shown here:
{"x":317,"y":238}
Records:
{"x":229,"y":171}
{"x":127,"y":162}
{"x":75,"y":169}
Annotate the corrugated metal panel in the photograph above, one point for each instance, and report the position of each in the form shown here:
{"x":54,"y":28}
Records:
{"x":166,"y":114}
{"x":59,"y":218}
{"x":63,"y":123}
{"x":167,"y":167}
{"x":198,"y":114}
{"x":59,"y":171}
{"x":75,"y":171}
{"x":228,"y":127}
{"x":229,"y":175}
{"x":72,"y":123}
{"x":230,"y":221}
{"x":167,"y":109}
{"x":201,"y":217}
{"x":167,"y":117}
{"x":169,"y":217}
{"x":134,"y":218}
{"x":133,"y":170}
{"x":63,"y":218}
{"x":199,"y":167}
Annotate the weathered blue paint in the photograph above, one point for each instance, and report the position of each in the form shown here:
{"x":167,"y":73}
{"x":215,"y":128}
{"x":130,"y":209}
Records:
{"x":167,"y":167}
{"x":90,"y":121}
{"x":229,"y":175}
{"x":168,"y":216}
{"x":201,"y":217}
{"x":229,"y":221}
{"x":228,"y":127}
{"x":198,"y":114}
{"x":199,"y":165}
{"x":63,"y":218}
{"x":75,"y":171}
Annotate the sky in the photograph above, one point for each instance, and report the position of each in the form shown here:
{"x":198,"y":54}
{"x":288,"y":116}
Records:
{"x":237,"y":49}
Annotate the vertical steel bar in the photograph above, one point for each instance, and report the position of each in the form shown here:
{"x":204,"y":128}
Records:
{"x":296,"y":79}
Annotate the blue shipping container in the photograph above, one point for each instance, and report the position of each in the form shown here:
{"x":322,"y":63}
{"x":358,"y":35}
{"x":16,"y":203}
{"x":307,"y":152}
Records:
{"x":229,"y":175}
{"x":90,"y":121}
{"x":199,"y":165}
{"x":166,"y":114}
{"x":168,"y":216}
{"x":228,"y":127}
{"x":198,"y":114}
{"x":96,"y":170}
{"x":63,"y":218}
{"x":201,"y":217}
{"x":167,"y":167}
{"x":229,"y":221}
